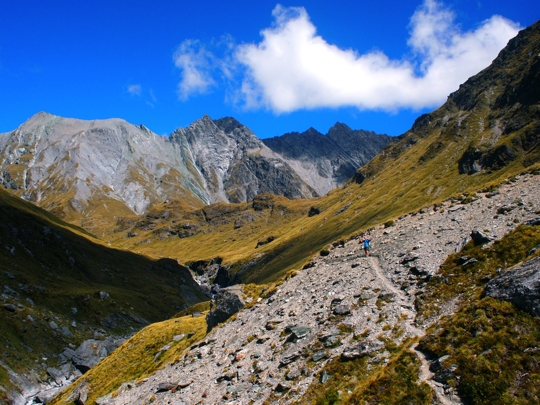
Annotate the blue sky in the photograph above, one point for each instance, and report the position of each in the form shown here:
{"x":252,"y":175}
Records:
{"x":276,"y":67}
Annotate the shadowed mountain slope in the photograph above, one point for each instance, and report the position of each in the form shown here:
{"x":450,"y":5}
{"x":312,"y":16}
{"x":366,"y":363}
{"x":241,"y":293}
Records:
{"x":60,"y":285}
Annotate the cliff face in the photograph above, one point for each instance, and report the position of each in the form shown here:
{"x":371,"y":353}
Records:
{"x":327,"y":161}
{"x":235,"y":164}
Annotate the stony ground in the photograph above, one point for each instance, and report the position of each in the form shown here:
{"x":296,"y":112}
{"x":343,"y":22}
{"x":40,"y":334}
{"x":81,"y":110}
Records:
{"x":341,"y":306}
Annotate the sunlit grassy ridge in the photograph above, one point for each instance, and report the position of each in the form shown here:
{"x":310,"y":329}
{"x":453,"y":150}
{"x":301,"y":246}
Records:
{"x":399,"y":189}
{"x":139,"y":357}
{"x":487,"y":131}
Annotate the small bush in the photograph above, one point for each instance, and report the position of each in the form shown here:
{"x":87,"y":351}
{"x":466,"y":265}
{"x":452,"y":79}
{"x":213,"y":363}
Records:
{"x":324,"y":252}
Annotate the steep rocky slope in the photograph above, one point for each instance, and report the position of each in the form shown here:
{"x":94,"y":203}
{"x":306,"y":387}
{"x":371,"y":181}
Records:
{"x":328,"y":161}
{"x":60,"y":287}
{"x":342,"y":310}
{"x":490,"y":123}
{"x":235,"y":164}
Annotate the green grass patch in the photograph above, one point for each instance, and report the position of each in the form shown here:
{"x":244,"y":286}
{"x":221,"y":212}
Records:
{"x":463,"y":278}
{"x":494,"y":346}
{"x":490,"y":343}
{"x":396,"y":384}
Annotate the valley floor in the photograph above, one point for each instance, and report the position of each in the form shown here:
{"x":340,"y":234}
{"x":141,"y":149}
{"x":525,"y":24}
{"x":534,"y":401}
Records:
{"x":344,"y":306}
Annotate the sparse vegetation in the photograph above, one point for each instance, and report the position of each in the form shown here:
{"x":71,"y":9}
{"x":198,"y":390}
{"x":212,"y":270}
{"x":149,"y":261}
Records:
{"x":136,"y":358}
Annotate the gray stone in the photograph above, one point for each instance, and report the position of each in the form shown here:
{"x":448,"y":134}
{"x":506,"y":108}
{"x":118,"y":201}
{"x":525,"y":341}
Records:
{"x":10,"y":307}
{"x":91,"y":352}
{"x":342,"y":310}
{"x":520,"y":286}
{"x":289,"y":359}
{"x":300,"y":331}
{"x":44,"y":397}
{"x":321,"y":354}
{"x":166,"y":386}
{"x":226,"y":305}
{"x":323,"y":379}
{"x":480,"y":238}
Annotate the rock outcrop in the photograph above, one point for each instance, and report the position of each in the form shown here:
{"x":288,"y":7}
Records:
{"x":235,"y":164}
{"x":521,"y":286}
{"x":226,"y":303}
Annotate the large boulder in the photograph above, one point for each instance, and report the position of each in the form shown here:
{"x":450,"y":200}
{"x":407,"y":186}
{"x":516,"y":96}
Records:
{"x":92,"y":351}
{"x":520,"y":286}
{"x":227,"y":302}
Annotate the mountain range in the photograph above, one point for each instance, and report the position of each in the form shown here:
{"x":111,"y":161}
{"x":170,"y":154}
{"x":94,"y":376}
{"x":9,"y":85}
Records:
{"x":93,"y":171}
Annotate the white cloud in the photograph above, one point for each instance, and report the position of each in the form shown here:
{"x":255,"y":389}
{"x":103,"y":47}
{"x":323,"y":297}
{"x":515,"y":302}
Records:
{"x":134,"y":89}
{"x":293,"y":68}
{"x":196,"y":66}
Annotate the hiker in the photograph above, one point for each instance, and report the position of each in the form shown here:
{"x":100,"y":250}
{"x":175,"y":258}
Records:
{"x":366,"y":241}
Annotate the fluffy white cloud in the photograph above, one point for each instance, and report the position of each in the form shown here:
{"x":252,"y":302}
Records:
{"x":293,"y":68}
{"x":134,"y":89}
{"x":196,"y":65}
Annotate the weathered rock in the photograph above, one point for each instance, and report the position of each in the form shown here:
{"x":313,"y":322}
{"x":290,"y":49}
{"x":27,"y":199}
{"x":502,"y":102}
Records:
{"x":321,"y":354}
{"x":480,"y":238}
{"x":342,"y":310}
{"x":166,"y":386}
{"x":300,"y":331}
{"x":520,"y":286}
{"x":289,"y":359}
{"x":92,"y":351}
{"x":226,"y":305}
{"x":10,"y":307}
{"x":44,"y":397}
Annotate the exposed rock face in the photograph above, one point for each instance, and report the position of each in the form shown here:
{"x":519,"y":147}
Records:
{"x":73,"y":164}
{"x":75,"y":168}
{"x":327,"y":161}
{"x":226,"y":304}
{"x":520,"y":286}
{"x":235,"y":164}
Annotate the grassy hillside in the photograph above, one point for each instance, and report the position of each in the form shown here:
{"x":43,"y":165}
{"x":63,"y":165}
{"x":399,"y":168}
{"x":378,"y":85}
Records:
{"x":488,"y":131}
{"x":491,"y":342}
{"x":61,"y":284}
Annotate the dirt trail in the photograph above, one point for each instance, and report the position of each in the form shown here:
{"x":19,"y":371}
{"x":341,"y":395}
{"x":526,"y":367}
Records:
{"x":425,"y":374}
